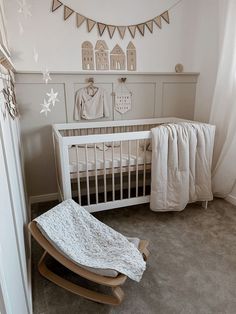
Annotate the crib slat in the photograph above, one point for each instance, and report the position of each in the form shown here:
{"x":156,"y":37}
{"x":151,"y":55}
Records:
{"x":78,"y":175}
{"x":129,"y":179}
{"x":121,"y":173}
{"x":137,"y":151}
{"x":113,"y":175}
{"x":96,"y":173}
{"x":87,"y":173}
{"x":144,"y":169}
{"x":104,"y":174}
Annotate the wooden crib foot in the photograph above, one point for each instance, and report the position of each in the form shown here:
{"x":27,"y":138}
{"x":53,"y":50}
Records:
{"x":115,"y":299}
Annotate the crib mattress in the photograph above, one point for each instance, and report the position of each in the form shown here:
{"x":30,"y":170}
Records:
{"x":143,"y":157}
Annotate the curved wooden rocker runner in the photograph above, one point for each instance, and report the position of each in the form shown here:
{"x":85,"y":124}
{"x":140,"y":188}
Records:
{"x":117,"y":293}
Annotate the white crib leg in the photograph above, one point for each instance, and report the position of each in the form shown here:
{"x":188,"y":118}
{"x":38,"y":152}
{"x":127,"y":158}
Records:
{"x":204,"y":204}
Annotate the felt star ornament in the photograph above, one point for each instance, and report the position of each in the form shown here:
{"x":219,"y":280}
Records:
{"x":52,"y":97}
{"x":46,"y":108}
{"x":24,"y":8}
{"x":46,"y":76}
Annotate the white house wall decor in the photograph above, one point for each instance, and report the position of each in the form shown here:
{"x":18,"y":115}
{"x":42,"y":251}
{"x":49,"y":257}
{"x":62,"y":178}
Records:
{"x":131,"y":57}
{"x":102,"y":55}
{"x":101,"y":26}
{"x":117,"y":58}
{"x":87,"y":56}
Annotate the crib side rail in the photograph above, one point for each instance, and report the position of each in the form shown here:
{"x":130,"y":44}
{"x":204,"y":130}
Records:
{"x":114,"y":123}
{"x":100,"y":138}
{"x":124,"y":172}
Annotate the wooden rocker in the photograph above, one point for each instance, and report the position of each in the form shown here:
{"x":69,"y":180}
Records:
{"x":117,"y":293}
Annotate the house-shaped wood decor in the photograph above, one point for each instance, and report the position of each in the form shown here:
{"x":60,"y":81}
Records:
{"x":131,"y":57}
{"x":101,"y":55}
{"x":117,"y":58}
{"x":87,"y":56}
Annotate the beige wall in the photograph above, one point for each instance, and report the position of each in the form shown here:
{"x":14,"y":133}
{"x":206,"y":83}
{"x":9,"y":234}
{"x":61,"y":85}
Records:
{"x":190,"y":39}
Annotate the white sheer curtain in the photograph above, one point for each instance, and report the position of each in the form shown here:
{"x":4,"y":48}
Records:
{"x":223,"y":111}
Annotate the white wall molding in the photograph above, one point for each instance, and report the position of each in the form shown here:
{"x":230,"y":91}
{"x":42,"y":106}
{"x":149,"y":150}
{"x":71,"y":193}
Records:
{"x":43,"y":198}
{"x":231,"y":199}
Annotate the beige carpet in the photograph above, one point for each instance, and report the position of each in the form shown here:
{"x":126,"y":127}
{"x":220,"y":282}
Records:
{"x":191,"y":269}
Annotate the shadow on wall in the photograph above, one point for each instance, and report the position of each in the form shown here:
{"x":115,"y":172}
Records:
{"x":39,"y":159}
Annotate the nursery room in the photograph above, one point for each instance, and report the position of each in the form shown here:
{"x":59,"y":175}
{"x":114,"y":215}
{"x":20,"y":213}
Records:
{"x":117,"y":157}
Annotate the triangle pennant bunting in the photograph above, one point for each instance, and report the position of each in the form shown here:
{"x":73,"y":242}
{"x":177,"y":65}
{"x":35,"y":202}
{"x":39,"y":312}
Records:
{"x":141,"y":28}
{"x":67,"y":12}
{"x":165,"y":17}
{"x":56,"y":5}
{"x":90,"y":24}
{"x":149,"y":25}
{"x":157,"y":21}
{"x":111,"y":30}
{"x":132,"y":30}
{"x":121,"y":30}
{"x":79,"y":19}
{"x":101,"y":28}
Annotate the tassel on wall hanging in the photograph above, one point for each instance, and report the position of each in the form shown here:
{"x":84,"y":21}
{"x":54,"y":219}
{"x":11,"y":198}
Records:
{"x":122,"y":29}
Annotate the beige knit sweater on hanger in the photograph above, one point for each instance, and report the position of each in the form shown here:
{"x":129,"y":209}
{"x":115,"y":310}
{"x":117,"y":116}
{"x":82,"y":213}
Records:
{"x":91,"y":107}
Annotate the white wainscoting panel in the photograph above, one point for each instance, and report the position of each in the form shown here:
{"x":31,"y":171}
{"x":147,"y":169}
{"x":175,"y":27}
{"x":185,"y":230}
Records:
{"x":154,"y":95}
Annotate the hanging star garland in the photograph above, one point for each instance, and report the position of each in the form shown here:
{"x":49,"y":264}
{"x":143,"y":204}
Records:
{"x":52,"y":97}
{"x":24,"y":8}
{"x":46,"y":108}
{"x":46,"y":76}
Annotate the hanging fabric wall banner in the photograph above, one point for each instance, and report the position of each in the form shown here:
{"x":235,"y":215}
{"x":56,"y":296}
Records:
{"x":149,"y":25}
{"x":56,"y":4}
{"x":132,"y":30}
{"x":80,"y":18}
{"x":67,"y":12}
{"x":157,"y":20}
{"x":121,"y":30}
{"x":101,"y":28}
{"x":111,"y":30}
{"x":90,"y":25}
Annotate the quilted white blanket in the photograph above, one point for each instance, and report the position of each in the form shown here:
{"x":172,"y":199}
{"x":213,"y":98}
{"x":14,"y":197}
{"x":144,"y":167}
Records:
{"x":181,"y":165}
{"x":89,"y":242}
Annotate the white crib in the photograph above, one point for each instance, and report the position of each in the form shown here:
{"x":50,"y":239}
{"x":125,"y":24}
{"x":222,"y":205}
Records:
{"x":105,"y":165}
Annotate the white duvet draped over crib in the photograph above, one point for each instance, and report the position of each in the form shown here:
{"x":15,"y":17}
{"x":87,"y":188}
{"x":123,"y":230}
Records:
{"x":181,"y":165}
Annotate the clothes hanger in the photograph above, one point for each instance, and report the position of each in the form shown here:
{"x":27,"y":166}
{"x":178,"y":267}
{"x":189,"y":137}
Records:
{"x":91,"y":89}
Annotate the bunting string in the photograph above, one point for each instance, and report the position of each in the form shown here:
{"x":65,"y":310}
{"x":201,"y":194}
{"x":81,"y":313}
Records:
{"x":101,"y":27}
